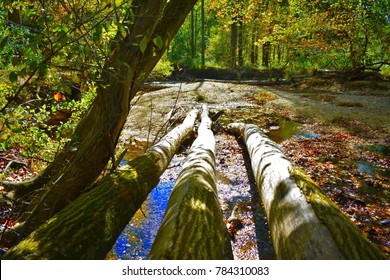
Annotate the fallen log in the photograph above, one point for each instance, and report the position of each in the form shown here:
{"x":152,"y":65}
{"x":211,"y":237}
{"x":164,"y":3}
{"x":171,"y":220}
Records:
{"x":193,"y":227}
{"x":89,"y":227}
{"x":304,"y":222}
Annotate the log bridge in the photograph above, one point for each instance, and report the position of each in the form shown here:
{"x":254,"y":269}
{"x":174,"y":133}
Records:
{"x":304,"y":223}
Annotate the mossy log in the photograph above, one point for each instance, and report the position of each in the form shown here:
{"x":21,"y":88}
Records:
{"x":89,"y":227}
{"x":193,"y":226}
{"x":304,"y":222}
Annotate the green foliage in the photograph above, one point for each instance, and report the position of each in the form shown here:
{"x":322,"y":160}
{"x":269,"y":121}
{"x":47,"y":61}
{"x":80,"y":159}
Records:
{"x":45,"y":48}
{"x":200,"y":97}
{"x":301,"y":35}
{"x":164,"y":68}
{"x":27,"y":127}
{"x":385,"y":71}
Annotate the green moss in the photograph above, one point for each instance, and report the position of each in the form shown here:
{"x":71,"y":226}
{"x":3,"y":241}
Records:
{"x":347,"y":236}
{"x":88,"y":227}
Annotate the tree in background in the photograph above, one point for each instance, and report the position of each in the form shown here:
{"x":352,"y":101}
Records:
{"x":298,"y":35}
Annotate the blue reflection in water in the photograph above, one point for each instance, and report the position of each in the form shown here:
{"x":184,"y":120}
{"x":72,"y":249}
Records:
{"x":137,"y":238}
{"x":307,"y":134}
{"x":376,"y":148}
{"x":372,"y":170}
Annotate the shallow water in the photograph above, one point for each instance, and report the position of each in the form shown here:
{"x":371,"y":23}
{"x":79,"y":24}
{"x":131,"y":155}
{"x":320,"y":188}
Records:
{"x":378,"y":149}
{"x":287,"y":129}
{"x":137,"y":238}
{"x":372,"y":170}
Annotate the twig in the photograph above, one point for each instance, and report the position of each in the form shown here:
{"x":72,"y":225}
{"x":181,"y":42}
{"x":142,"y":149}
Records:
{"x":155,"y":140}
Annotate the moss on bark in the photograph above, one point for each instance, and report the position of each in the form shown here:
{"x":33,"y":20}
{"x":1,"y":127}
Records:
{"x":82,"y":160}
{"x":89,"y":227}
{"x":304,"y":223}
{"x":348,"y":237}
{"x":193,"y":226}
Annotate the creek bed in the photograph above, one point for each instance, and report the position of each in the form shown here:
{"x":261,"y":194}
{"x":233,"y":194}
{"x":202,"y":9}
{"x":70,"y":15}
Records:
{"x":236,"y":187}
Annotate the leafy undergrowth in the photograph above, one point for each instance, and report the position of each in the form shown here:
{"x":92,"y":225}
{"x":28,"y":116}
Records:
{"x":14,"y":167}
{"x":354,"y":173}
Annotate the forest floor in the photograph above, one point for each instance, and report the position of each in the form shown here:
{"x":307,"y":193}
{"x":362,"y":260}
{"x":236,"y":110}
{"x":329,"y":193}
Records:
{"x":339,"y":133}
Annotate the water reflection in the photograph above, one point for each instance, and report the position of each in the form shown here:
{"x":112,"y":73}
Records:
{"x":372,"y":170}
{"x":376,"y":148}
{"x":137,"y":238}
{"x":286,"y":129}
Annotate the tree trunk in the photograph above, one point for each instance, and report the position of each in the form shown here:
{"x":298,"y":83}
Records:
{"x":241,"y":44}
{"x":94,"y":140}
{"x":266,"y":53}
{"x":233,"y":44}
{"x":14,"y":17}
{"x":254,"y":47}
{"x":304,"y":223}
{"x":193,"y":226}
{"x":193,"y":41}
{"x":89,"y":227}
{"x":203,"y":48}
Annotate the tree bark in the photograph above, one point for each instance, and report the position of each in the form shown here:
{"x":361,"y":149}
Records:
{"x":233,"y":44}
{"x":266,"y":53}
{"x":254,"y":47}
{"x":92,"y":145}
{"x":203,"y":48}
{"x":304,"y":223}
{"x":193,"y":226}
{"x":193,"y":36}
{"x":89,"y":227}
{"x":241,"y":44}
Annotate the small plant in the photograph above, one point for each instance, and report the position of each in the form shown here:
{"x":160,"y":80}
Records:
{"x":199,"y":97}
{"x":264,"y":96}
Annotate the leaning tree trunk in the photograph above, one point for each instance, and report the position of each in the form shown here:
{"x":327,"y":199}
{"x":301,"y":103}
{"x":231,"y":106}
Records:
{"x":89,"y":227}
{"x":304,"y":222}
{"x":193,"y":226}
{"x":94,"y":140}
